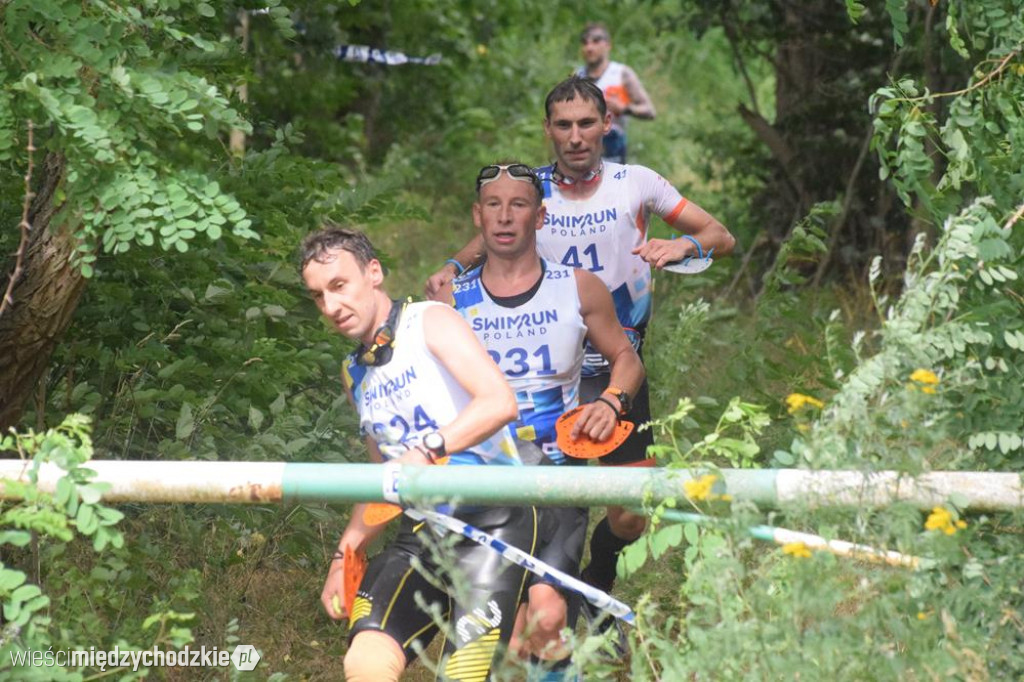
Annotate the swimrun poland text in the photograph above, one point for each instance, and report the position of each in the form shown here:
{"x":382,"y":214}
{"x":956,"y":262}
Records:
{"x":243,"y":657}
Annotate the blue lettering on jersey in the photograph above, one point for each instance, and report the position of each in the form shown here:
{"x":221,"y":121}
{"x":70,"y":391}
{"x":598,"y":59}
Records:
{"x":520,"y":366}
{"x":515,"y":322}
{"x":595,"y":218}
{"x":388,"y":387}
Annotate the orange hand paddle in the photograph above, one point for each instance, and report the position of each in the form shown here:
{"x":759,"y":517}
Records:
{"x":583,"y":447}
{"x":354,"y":569}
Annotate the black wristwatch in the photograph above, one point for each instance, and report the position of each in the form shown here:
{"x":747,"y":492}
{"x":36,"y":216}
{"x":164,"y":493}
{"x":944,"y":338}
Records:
{"x":624,"y":400}
{"x":433,"y":443}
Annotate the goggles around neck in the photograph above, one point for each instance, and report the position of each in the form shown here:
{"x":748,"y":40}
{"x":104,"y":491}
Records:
{"x":516,"y":171}
{"x":566,"y":181}
{"x":380,"y":351}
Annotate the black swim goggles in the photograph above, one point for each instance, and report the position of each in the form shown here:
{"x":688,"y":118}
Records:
{"x":516,"y":171}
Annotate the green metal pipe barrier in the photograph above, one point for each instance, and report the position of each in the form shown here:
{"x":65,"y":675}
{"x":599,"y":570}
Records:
{"x":493,"y":485}
{"x":278,"y":482}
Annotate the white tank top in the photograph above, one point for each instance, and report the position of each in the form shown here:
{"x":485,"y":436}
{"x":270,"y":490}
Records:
{"x":612,"y":84}
{"x":538,"y":345}
{"x":413,"y":394}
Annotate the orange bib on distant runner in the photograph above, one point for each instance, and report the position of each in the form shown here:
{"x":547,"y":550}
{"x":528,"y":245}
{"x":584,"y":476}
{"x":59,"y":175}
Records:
{"x":617,"y":92}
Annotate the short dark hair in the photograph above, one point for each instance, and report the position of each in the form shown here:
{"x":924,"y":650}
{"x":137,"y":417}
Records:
{"x":574,"y":85}
{"x":595,"y":27}
{"x":333,"y":237}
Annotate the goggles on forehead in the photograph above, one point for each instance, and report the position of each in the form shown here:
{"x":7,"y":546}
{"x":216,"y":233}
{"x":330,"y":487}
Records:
{"x":516,"y":171}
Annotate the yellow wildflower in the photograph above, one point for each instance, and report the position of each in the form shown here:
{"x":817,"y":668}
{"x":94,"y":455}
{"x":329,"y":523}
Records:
{"x":921,"y":615}
{"x":795,"y":401}
{"x":938,"y":519}
{"x":942,"y":519}
{"x":924,"y":376}
{"x":700,"y":489}
{"x":923,"y":379}
{"x":796,"y":549}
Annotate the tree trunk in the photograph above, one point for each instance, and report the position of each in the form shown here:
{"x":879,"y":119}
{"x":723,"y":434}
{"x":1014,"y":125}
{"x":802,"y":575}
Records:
{"x":824,"y":73}
{"x":45,"y":298}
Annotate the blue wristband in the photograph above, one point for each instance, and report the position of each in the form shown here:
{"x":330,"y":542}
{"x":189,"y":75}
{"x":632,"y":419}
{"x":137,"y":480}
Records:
{"x":458,"y":266}
{"x":700,"y":251}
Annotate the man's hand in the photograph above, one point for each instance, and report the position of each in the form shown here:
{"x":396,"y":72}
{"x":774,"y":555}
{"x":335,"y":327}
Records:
{"x":333,"y":594}
{"x":661,"y":252}
{"x":439,"y":285}
{"x":597,"y":420}
{"x":416,"y":456}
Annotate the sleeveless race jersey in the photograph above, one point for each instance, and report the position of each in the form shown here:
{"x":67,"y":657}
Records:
{"x":538,"y":345}
{"x":413,"y":394}
{"x":612,"y":84}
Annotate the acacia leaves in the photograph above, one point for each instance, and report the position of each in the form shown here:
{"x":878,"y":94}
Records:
{"x":980,"y":139}
{"x":74,"y":505}
{"x":140,"y":207}
{"x":73,"y":594}
{"x":118,"y":93}
{"x":961,"y":304}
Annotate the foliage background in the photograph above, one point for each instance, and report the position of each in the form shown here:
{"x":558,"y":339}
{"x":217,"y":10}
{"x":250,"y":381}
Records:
{"x":200,"y":343}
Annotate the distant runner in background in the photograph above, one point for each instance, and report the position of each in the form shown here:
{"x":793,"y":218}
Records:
{"x":623,"y":91}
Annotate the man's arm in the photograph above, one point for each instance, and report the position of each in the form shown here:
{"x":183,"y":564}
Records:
{"x":605,"y":334}
{"x":356,"y":536}
{"x":492,"y":404}
{"x":640,"y":104}
{"x":437,"y":287}
{"x":683,"y":216}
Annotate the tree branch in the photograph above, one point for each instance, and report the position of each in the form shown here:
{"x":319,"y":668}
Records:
{"x":1014,"y":218}
{"x":779,"y":148}
{"x":730,"y":35}
{"x":24,"y":226}
{"x":761,"y":240}
{"x":851,"y":184}
{"x":848,"y":193}
{"x":1004,"y":62}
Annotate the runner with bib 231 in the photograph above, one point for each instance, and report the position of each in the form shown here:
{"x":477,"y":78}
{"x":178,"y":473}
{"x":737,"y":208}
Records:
{"x":532,"y":316}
